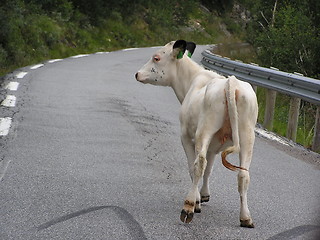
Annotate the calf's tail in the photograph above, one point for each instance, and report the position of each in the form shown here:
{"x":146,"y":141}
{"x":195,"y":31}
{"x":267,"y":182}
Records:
{"x":231,"y":99}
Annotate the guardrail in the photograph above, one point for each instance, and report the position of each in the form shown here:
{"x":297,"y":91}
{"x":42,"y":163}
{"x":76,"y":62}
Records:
{"x":293,"y":84}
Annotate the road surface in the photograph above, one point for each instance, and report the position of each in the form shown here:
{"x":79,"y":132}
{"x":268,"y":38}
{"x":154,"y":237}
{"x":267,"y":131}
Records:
{"x":93,"y":154}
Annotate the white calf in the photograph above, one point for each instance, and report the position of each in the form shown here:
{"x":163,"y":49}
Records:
{"x":218,"y":114}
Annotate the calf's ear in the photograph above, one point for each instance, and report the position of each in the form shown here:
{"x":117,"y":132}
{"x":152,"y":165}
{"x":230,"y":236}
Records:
{"x":191,"y":46}
{"x":179,"y":47}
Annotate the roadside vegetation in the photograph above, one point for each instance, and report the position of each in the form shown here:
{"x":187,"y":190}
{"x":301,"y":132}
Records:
{"x":286,"y":35}
{"x":282,"y":34}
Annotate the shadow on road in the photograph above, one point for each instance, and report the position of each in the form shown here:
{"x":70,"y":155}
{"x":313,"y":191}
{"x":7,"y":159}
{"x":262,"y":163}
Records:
{"x":133,"y":226}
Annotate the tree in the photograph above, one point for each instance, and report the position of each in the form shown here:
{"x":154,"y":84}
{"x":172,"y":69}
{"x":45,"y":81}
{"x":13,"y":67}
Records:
{"x":286,"y":36}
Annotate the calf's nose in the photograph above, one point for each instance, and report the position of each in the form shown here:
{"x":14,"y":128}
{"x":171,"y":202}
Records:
{"x":137,"y":75}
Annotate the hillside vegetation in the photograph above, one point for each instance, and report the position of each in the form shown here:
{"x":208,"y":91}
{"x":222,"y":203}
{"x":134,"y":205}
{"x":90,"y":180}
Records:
{"x":285,"y":33}
{"x":34,"y":30}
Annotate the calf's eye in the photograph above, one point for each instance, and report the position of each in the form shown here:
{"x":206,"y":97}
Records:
{"x":156,"y":58}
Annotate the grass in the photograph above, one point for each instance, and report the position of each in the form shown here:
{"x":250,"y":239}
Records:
{"x":306,"y":122}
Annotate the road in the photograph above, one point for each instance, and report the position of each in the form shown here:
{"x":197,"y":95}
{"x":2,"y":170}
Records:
{"x":93,"y":154}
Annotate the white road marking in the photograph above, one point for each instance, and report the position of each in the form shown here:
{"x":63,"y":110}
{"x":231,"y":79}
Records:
{"x":80,"y":56}
{"x":3,"y":167}
{"x":272,"y":136}
{"x":37,"y":66}
{"x":102,"y":52}
{"x":5,"y":124}
{"x":12,"y":86}
{"x":54,"y":60}
{"x":129,"y":49}
{"x":9,"y":101}
{"x":21,"y":74}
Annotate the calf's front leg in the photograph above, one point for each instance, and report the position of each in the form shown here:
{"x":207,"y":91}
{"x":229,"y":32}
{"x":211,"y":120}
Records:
{"x":205,"y":191}
{"x":189,"y":149}
{"x":192,"y":202}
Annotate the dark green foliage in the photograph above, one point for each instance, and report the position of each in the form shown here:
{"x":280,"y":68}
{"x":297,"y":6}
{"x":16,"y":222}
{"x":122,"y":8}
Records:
{"x":286,"y":34}
{"x":222,"y":6}
{"x":32,"y":30}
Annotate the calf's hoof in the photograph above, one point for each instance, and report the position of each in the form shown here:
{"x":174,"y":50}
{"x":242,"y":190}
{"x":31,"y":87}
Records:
{"x":205,"y":198}
{"x":186,"y":217}
{"x":197,"y":208}
{"x":246,"y":223}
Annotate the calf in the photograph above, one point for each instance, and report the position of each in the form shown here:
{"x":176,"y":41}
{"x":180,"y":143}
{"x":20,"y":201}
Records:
{"x":218,"y":114}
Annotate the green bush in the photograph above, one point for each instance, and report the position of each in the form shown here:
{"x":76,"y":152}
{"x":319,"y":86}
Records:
{"x":3,"y":57}
{"x":290,"y":44}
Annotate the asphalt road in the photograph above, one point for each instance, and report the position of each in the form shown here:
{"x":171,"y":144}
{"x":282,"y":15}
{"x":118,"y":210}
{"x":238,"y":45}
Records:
{"x":93,"y":154}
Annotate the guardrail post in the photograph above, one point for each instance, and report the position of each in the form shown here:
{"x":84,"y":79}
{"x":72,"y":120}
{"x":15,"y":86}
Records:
{"x":293,"y":118}
{"x":316,"y":137}
{"x":269,"y":111}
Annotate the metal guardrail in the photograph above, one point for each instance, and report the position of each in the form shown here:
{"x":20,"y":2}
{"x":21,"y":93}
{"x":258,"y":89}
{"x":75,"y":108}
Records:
{"x":292,"y":84}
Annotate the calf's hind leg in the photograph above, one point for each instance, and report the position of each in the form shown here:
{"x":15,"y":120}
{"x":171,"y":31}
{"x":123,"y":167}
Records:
{"x":245,"y":155}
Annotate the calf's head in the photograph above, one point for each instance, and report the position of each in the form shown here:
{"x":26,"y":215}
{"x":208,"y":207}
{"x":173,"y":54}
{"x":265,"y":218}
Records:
{"x":162,"y":66}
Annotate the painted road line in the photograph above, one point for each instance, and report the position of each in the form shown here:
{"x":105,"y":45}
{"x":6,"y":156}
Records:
{"x":9,"y":101}
{"x":3,"y":167}
{"x":101,"y":52}
{"x":5,"y":124}
{"x":12,"y":86}
{"x":37,"y":66}
{"x":54,"y":60}
{"x":21,"y":74}
{"x":129,"y":49}
{"x":272,"y":136}
{"x":80,"y":56}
